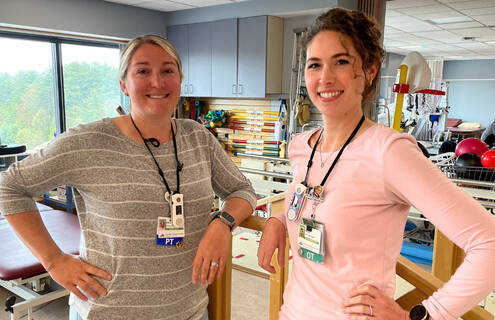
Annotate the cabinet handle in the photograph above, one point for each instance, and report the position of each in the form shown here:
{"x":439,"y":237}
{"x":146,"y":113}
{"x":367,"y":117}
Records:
{"x":240,"y":89}
{"x":190,"y":89}
{"x":234,"y":89}
{"x":184,"y":89}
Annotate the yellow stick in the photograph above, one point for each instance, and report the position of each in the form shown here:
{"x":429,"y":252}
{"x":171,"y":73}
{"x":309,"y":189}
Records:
{"x":400,"y":99}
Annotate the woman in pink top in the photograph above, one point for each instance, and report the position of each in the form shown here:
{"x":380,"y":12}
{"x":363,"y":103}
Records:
{"x":358,"y":181}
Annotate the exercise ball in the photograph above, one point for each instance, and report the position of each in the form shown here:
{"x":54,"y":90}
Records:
{"x":466,"y":164}
{"x":488,"y":159}
{"x":447,"y":146}
{"x":471,"y":145}
{"x":423,"y":149}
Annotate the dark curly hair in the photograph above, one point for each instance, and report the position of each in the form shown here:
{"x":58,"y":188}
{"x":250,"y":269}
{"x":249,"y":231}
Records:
{"x":361,"y":30}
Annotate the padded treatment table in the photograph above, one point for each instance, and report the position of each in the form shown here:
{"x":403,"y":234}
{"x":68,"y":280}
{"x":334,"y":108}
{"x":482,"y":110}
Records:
{"x":21,"y":273}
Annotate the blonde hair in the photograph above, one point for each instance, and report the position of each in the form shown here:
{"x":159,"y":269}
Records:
{"x":134,"y":44}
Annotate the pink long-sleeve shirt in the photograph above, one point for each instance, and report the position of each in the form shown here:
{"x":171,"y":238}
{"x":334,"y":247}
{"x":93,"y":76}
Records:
{"x":367,"y":198}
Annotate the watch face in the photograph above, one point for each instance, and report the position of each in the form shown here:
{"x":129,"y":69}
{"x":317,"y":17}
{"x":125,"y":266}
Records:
{"x":228,"y":217}
{"x":418,"y":312}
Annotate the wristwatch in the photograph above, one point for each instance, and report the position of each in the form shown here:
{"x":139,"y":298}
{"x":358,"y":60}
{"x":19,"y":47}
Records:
{"x":419,"y":312}
{"x":226,"y":218}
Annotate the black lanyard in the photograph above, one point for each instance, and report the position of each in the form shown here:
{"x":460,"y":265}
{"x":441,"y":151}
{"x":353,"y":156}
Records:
{"x":310,"y":161}
{"x":160,"y":172}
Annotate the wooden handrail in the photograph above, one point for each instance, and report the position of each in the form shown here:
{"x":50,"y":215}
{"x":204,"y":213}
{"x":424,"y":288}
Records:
{"x":425,"y":283}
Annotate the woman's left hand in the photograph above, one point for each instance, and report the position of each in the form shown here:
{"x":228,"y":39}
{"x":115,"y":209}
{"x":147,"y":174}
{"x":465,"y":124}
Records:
{"x":211,"y":255}
{"x":368,"y":302}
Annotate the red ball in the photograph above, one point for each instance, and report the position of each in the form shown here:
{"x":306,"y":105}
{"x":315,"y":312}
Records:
{"x":488,"y":159}
{"x":473,"y":145}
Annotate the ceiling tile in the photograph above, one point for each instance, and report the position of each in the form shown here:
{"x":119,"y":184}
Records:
{"x":472,"y":4}
{"x":450,"y":1}
{"x":392,"y":13}
{"x":479,"y":11}
{"x":475,"y":32}
{"x":474,"y":45}
{"x":203,"y":3}
{"x":395,"y":4}
{"x":443,"y":36}
{"x":425,"y":9}
{"x":164,"y":5}
{"x":439,"y":15}
{"x":461,"y":25}
{"x":488,"y":19}
{"x":127,"y":2}
{"x":390,"y":30}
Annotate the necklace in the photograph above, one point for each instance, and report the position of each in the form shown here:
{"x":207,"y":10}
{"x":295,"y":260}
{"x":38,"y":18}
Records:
{"x":323,"y":162}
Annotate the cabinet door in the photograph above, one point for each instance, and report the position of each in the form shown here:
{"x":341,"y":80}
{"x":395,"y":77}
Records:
{"x":224,"y":58}
{"x":177,"y":35}
{"x":251,"y":63}
{"x":199,"y":37}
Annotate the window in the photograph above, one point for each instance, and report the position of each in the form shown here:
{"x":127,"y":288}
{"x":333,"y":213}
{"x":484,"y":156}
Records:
{"x":91,"y":84}
{"x":32,"y":107}
{"x":27,"y":107}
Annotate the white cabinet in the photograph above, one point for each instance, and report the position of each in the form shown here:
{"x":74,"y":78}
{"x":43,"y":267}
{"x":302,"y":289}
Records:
{"x":193,"y":43}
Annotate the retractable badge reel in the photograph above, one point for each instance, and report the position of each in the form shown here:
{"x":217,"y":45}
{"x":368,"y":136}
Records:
{"x":297,"y":202}
{"x":176,"y":208}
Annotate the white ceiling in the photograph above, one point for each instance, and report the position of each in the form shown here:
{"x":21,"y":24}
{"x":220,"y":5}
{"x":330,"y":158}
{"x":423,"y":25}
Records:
{"x":173,"y":5}
{"x":447,"y":29}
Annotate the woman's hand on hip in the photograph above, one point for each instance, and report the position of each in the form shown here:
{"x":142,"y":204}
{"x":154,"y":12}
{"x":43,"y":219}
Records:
{"x":212,"y":253}
{"x":273,"y":238}
{"x":369,"y":303}
{"x":76,"y":276}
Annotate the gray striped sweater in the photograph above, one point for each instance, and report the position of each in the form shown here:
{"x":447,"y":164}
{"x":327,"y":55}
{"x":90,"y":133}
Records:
{"x":119,"y":195}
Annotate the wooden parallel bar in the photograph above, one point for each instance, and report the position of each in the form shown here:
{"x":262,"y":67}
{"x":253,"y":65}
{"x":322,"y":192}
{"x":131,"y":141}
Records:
{"x":411,"y":299}
{"x":219,"y":291}
{"x":426,"y":284}
{"x":447,"y":257}
{"x":251,"y":271}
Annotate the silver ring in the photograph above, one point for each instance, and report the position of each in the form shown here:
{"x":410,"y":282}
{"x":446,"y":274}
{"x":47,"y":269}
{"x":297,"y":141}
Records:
{"x":371,"y":310}
{"x":214,"y":264}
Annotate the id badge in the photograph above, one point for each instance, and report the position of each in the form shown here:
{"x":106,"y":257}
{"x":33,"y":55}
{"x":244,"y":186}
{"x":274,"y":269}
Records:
{"x":297,"y":202}
{"x":169,"y":235}
{"x":311,"y":240}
